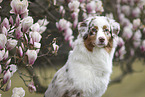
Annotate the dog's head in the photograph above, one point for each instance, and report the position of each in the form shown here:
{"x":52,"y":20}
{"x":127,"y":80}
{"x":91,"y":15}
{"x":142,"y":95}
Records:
{"x":99,"y":32}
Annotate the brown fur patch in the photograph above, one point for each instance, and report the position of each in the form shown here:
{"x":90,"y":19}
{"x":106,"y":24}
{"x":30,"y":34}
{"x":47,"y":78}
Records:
{"x":90,"y":42}
{"x":109,"y":46}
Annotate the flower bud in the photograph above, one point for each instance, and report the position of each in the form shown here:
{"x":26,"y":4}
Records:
{"x":11,"y":44}
{"x":55,"y":47}
{"x":0,"y":69}
{"x":18,"y":32}
{"x":3,"y":41}
{"x":32,"y":56}
{"x":17,"y":20}
{"x":8,"y":86}
{"x":8,"y":62}
{"x":2,"y":52}
{"x":11,"y":20}
{"x":20,"y":51}
{"x":26,"y":23}
{"x":4,"y":30}
{"x":6,"y":76}
{"x":6,"y":55}
{"x":31,"y":87}
{"x":36,"y":37}
{"x":19,"y":7}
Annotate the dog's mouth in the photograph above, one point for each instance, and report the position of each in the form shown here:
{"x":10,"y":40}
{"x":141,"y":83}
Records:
{"x":101,"y":45}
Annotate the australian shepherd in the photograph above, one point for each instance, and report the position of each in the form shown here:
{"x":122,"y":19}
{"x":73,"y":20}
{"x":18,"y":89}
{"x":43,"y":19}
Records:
{"x":89,"y":65}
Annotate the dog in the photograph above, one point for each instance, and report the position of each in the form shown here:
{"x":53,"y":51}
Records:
{"x":89,"y":65}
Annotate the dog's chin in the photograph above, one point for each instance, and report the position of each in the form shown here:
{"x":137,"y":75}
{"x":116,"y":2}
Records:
{"x":101,"y":45}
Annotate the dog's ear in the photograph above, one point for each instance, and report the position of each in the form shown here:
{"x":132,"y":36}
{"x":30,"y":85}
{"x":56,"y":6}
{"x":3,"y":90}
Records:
{"x":115,"y":27}
{"x":82,"y":28}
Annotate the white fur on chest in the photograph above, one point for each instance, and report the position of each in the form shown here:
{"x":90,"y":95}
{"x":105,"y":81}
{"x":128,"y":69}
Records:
{"x":90,"y":71}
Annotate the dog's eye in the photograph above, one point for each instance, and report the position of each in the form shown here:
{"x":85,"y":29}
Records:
{"x":106,"y":30}
{"x":94,"y":30}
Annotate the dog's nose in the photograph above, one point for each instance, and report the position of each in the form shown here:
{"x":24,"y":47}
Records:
{"x":101,"y":39}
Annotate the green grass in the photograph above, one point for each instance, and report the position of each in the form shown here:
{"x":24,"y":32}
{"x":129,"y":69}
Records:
{"x":133,"y":85}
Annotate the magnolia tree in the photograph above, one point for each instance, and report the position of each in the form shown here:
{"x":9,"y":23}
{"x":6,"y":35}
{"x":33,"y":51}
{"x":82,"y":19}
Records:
{"x":20,"y":35}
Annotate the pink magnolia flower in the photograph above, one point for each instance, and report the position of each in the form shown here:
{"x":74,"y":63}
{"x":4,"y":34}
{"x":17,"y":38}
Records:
{"x":82,"y":1}
{"x":36,"y":37}
{"x":122,"y":52}
{"x":25,"y":14}
{"x":136,"y":12}
{"x":126,"y":10}
{"x":32,"y":56}
{"x":6,"y":76}
{"x":19,"y":7}
{"x":136,"y":43}
{"x":63,"y":24}
{"x":26,"y":23}
{"x":13,"y":68}
{"x":5,"y":23}
{"x":127,"y":33}
{"x":142,"y":47}
{"x":11,"y":43}
{"x":91,"y":7}
{"x":99,"y":6}
{"x":67,"y":34}
{"x":61,"y":8}
{"x":8,"y":86}
{"x":35,"y":27}
{"x":37,"y":45}
{"x":43,"y":22}
{"x":137,"y":35}
{"x":120,"y":42}
{"x":42,"y":29}
{"x":18,"y":92}
{"x":1,"y":1}
{"x":31,"y":87}
{"x":136,"y":23}
{"x":74,"y":5}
